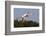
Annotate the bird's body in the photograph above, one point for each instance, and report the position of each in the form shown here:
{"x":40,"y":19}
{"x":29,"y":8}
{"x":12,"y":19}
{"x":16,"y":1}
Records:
{"x":25,"y":16}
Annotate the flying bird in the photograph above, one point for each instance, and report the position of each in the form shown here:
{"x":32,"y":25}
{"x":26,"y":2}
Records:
{"x":26,"y":15}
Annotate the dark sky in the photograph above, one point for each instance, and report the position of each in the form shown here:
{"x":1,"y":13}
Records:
{"x":18,"y":12}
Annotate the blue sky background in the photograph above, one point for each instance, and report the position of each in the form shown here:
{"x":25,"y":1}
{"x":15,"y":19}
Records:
{"x":18,"y":12}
